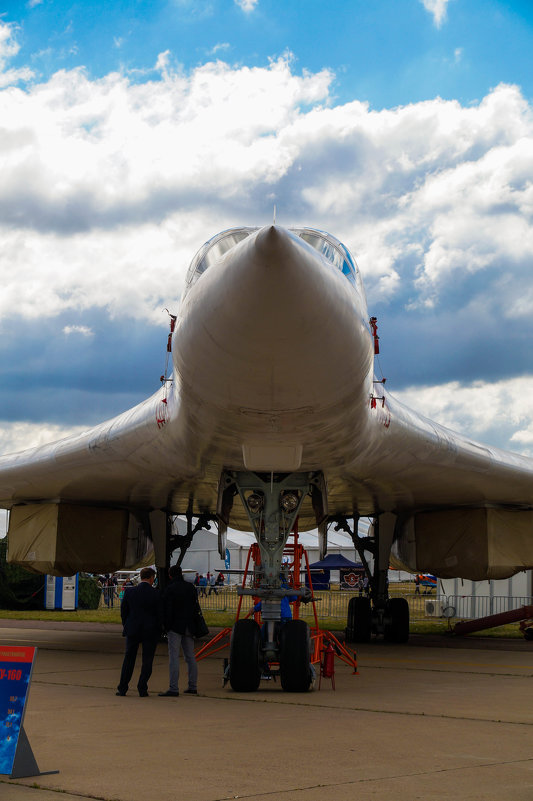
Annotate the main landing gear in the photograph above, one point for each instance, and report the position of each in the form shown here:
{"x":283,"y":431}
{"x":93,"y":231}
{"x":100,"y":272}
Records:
{"x":378,"y":614}
{"x":272,"y":503}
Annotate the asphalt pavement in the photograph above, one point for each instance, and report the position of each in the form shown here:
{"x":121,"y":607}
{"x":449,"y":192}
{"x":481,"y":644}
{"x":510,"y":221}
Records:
{"x":432,"y":720}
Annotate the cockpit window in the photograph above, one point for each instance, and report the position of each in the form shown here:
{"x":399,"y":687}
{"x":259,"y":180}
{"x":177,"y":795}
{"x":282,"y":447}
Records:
{"x":330,"y":247}
{"x":214,"y":249}
{"x":325,"y":244}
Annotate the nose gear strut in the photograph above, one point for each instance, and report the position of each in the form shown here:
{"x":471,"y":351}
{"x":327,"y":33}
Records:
{"x":272,"y":502}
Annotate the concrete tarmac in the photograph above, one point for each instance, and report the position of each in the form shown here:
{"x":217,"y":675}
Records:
{"x":419,"y":722}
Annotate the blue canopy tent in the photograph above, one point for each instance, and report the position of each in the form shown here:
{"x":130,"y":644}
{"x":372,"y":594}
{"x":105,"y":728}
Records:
{"x":349,"y":571}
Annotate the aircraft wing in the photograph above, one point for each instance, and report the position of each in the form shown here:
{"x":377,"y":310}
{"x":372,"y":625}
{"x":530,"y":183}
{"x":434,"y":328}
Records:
{"x":273,"y":375}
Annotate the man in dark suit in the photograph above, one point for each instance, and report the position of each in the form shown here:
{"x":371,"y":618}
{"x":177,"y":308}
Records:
{"x":180,"y":603}
{"x":141,"y":618}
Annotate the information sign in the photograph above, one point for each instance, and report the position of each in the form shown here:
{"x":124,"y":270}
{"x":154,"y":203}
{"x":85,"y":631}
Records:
{"x":16,"y":756}
{"x":16,"y":665}
{"x":350,"y":578}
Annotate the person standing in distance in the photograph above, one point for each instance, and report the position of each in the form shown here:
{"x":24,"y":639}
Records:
{"x":180,"y":603}
{"x":140,"y":611}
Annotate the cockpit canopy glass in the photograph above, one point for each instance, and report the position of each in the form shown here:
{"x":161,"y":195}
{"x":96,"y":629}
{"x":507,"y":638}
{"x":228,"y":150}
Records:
{"x":213,"y":250}
{"x":330,"y":247}
{"x":326,"y":244}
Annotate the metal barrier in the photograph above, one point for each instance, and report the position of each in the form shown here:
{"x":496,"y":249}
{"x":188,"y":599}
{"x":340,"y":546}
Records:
{"x":220,"y":599}
{"x":422,"y":606}
{"x":468,"y":607}
{"x":332,"y":604}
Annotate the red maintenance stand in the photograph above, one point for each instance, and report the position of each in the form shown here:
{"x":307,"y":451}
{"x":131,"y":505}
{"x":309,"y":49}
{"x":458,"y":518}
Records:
{"x":325,"y":646}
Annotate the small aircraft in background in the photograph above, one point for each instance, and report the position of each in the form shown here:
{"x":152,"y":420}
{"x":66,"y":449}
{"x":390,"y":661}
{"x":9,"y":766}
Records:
{"x":425,"y":580}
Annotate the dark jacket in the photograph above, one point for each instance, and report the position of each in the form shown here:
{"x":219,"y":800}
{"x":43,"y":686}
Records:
{"x":140,"y":611}
{"x":180,"y":602}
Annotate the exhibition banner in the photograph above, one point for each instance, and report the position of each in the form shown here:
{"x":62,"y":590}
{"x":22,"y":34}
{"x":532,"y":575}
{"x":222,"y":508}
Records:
{"x":16,"y":665}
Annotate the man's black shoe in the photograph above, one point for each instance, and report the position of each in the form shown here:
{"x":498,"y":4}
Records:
{"x":119,"y":692}
{"x":173,"y":693}
{"x":143,"y":693}
{"x":190,"y":692}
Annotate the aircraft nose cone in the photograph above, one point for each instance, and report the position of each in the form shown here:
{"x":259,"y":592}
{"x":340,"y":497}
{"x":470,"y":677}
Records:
{"x":276,"y":248}
{"x":271,"y":311}
{"x":272,"y":241}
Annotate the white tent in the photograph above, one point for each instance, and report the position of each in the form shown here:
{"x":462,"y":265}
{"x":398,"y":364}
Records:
{"x":203,"y":557}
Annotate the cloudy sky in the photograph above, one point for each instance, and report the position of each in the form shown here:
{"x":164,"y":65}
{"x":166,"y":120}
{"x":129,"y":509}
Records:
{"x":131,"y":132}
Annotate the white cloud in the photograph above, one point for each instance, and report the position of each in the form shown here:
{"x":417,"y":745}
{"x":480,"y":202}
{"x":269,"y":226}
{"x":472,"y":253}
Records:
{"x":82,"y":330}
{"x":437,"y":8}
{"x":163,"y":63}
{"x":106,"y":184}
{"x":109,"y":186}
{"x":9,"y":48}
{"x":485,"y":411}
{"x":102,"y":172}
{"x":219,"y":48}
{"x":247,"y":5}
{"x":16,"y":437}
{"x":135,"y":270}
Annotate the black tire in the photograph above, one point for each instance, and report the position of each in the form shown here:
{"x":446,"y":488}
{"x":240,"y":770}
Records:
{"x":359,"y":623}
{"x":396,"y":620}
{"x":294,"y":657}
{"x":244,"y":656}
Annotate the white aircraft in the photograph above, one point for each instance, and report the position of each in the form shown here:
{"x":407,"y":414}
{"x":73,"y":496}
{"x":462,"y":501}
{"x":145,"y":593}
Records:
{"x":273,"y":413}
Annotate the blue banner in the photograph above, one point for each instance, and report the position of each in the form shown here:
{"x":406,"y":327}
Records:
{"x":16,"y":664}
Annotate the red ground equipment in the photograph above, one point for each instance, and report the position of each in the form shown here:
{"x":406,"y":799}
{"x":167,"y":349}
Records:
{"x":324,"y":644}
{"x":327,"y":668}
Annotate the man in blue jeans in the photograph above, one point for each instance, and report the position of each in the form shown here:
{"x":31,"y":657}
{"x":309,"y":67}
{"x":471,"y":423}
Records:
{"x":180,"y":603}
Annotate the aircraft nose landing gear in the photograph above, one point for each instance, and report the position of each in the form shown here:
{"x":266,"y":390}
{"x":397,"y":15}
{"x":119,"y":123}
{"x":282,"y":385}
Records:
{"x":294,"y":657}
{"x":249,"y":662}
{"x":272,"y":503}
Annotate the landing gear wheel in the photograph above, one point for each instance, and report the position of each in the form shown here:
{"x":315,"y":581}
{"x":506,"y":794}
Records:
{"x":244,"y":659}
{"x":359,"y":624}
{"x":396,"y":620}
{"x":294,"y":657}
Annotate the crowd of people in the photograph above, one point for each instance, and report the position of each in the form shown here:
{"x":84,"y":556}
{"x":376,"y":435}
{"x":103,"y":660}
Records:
{"x":108,"y":583}
{"x":113,"y":590}
{"x":211,"y":580}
